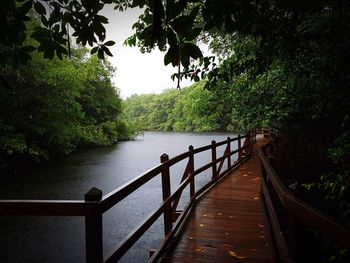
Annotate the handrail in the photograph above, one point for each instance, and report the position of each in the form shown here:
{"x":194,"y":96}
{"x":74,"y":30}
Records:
{"x":274,"y":227}
{"x":111,"y":199}
{"x":45,"y":207}
{"x":300,"y":209}
{"x":95,"y":204}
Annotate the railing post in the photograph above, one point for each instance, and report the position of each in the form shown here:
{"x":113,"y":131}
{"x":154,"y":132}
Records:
{"x":239,"y":147}
{"x":248,"y":142}
{"x":254,"y":135}
{"x":213,"y":159}
{"x":229,"y":152}
{"x":93,"y":228}
{"x":191,"y":170}
{"x":166,"y":194}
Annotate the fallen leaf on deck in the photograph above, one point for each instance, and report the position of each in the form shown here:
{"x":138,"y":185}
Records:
{"x":233,"y":254}
{"x":254,"y":249}
{"x":200,"y":250}
{"x":201,"y":225}
{"x":256,"y":198}
{"x":244,"y":175}
{"x":219,"y":214}
{"x":255,"y":179}
{"x":205,"y":215}
{"x":260,"y":225}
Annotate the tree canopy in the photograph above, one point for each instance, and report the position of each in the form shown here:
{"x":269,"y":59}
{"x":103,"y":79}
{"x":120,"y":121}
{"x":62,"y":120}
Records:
{"x":281,"y":64}
{"x":194,"y":109}
{"x":52,"y":107}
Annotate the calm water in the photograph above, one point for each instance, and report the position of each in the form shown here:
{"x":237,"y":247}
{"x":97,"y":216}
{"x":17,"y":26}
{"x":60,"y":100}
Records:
{"x":61,"y":239}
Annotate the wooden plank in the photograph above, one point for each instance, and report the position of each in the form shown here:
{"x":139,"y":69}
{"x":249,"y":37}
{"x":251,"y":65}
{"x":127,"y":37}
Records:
{"x":227,"y":224}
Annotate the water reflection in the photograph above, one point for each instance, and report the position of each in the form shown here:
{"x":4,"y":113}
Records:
{"x":61,"y":239}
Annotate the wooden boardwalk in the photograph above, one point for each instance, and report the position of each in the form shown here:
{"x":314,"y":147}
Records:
{"x":228,"y":223}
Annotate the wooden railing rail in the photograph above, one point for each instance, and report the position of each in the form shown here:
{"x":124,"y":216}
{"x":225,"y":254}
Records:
{"x":297,"y":208}
{"x":94,"y":204}
{"x":45,"y":207}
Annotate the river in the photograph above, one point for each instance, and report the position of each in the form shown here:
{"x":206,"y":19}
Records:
{"x":61,"y":239}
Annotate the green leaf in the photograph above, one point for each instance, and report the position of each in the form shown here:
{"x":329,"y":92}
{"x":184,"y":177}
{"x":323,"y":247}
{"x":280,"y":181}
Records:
{"x":49,"y":53}
{"x":100,"y":54}
{"x":194,"y":12}
{"x":44,"y":21}
{"x":171,"y":35}
{"x":59,"y":54}
{"x":172,"y":56}
{"x":185,"y":57}
{"x":102,"y":19}
{"x":176,"y":9}
{"x":193,"y":50}
{"x":39,"y":8}
{"x":131,"y":41}
{"x":94,"y":50}
{"x":146,"y":33}
{"x":106,"y":50}
{"x":109,"y":43}
{"x":139,"y":3}
{"x":191,"y":35}
{"x":41,"y":34}
{"x":181,"y":24}
{"x":62,"y":49}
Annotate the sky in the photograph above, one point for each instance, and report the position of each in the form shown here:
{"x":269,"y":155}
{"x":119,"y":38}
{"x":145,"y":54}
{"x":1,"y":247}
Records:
{"x":136,"y":73}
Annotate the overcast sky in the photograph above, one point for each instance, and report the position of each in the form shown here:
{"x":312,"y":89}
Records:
{"x":136,"y":73}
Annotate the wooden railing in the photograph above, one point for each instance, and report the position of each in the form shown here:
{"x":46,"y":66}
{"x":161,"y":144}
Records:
{"x":296,"y":210}
{"x":94,"y":204}
{"x":268,"y":133}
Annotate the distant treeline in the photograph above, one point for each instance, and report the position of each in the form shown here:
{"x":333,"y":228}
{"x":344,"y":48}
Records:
{"x":190,"y":109}
{"x":51,"y":107}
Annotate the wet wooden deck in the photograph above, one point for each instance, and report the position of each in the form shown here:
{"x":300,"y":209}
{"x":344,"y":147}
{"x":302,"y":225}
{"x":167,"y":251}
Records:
{"x":228,"y":223}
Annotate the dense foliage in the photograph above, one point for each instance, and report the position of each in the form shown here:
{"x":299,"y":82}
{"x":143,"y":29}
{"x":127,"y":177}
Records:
{"x":298,"y":84}
{"x":191,"y":109}
{"x":48,"y":108}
